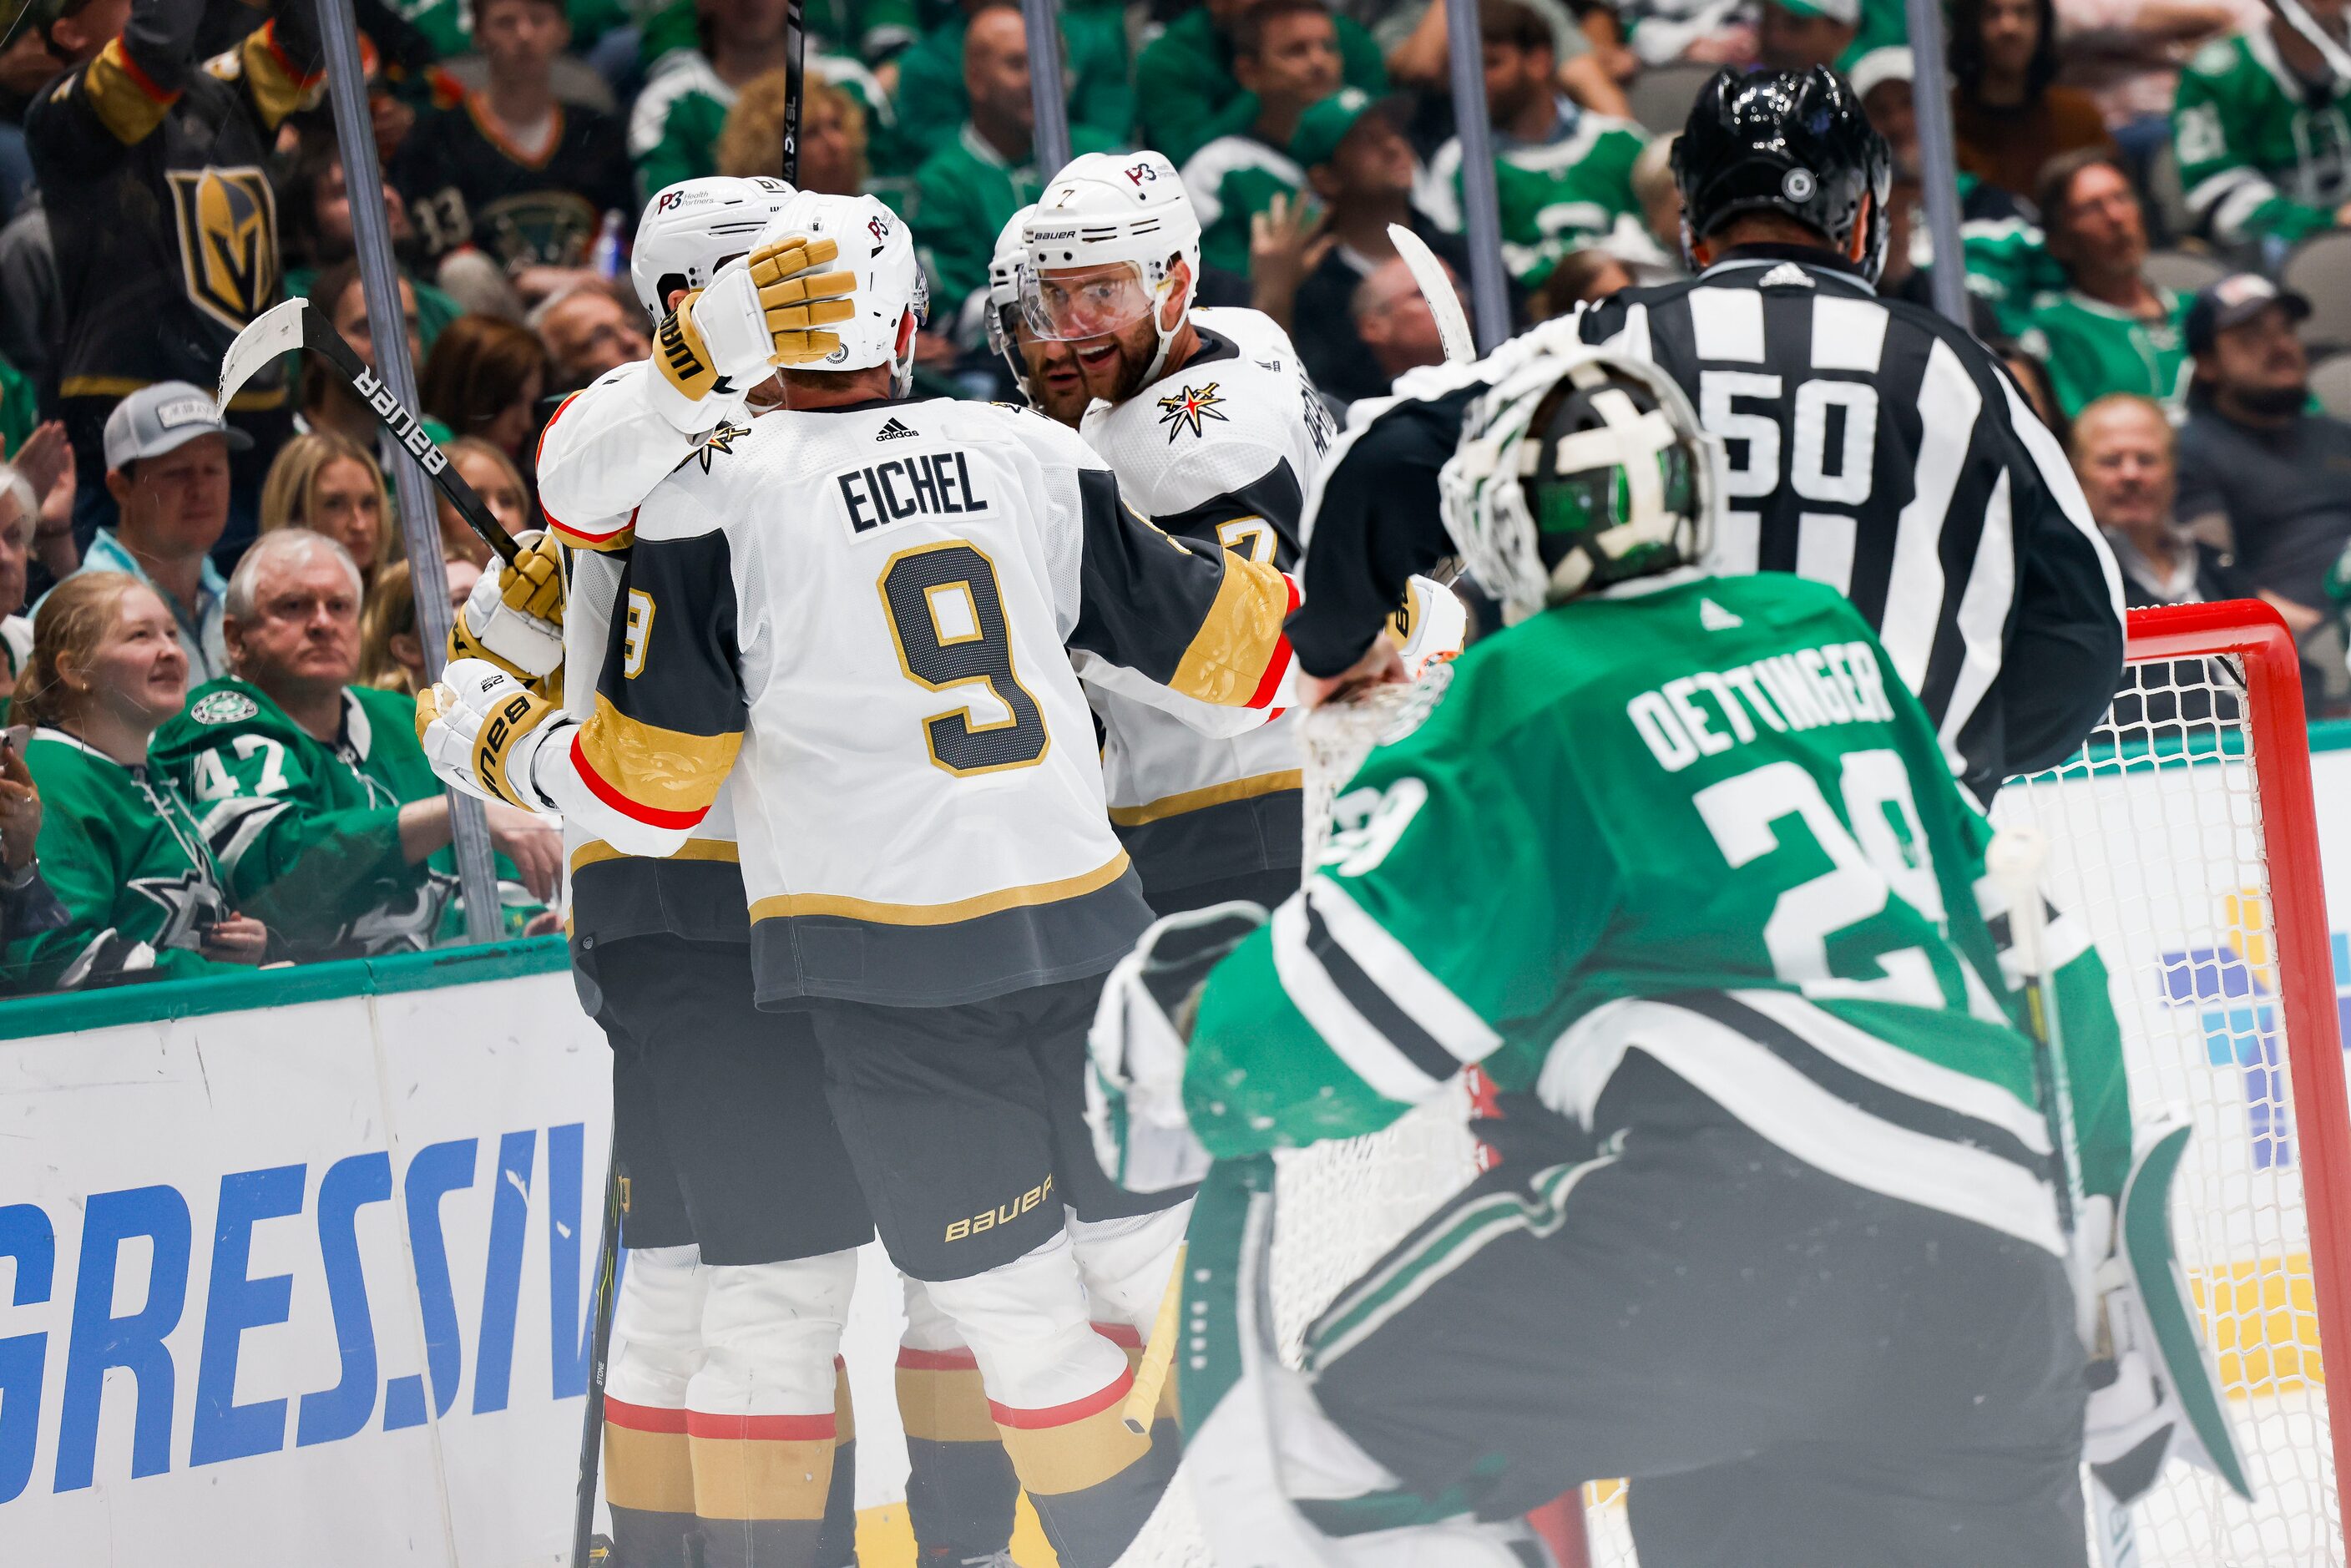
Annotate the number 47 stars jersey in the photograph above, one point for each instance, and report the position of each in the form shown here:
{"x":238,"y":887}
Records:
{"x":871,"y":615}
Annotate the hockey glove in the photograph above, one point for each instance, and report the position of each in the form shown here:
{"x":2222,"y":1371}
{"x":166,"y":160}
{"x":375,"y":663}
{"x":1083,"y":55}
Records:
{"x":482,"y":729}
{"x":761,"y":311}
{"x":516,"y":612}
{"x":1134,"y":1095}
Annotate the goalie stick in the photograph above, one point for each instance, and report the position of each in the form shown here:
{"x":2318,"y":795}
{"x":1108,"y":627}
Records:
{"x":299,"y":323}
{"x":2014,"y":861}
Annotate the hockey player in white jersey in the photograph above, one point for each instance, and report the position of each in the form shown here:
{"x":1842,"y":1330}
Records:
{"x":1215,"y":431}
{"x":741,"y":1211}
{"x":1029,"y":357}
{"x":924,"y":840}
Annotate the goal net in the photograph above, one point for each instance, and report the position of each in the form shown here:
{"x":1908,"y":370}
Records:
{"x":2183,"y":833}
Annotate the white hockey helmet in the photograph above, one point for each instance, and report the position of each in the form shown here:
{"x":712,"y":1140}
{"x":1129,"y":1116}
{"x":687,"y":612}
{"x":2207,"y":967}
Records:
{"x":893,"y":299}
{"x":695,"y":227}
{"x":1119,"y":222}
{"x":1580,"y":468}
{"x":1003,"y":269}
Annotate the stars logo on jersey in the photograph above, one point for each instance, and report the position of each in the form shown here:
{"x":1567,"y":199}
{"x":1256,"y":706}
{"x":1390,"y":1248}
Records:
{"x":223,"y":708}
{"x":719,"y":440}
{"x":190,"y":901}
{"x":1715,"y":618}
{"x":1189,"y":406}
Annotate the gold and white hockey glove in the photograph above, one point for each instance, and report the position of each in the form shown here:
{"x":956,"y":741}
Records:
{"x":765,"y":309}
{"x":1431,"y":626}
{"x":1142,"y":1029}
{"x":514,"y":613}
{"x":482,"y":729}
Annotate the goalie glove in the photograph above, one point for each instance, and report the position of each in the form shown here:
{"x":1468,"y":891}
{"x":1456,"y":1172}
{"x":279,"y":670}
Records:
{"x":514,"y":613}
{"x":482,"y":729}
{"x":1135,"y":1093}
{"x":766,"y":309}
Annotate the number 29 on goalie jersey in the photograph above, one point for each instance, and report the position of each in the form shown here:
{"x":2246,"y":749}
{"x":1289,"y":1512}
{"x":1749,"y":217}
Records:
{"x":1701,"y":820}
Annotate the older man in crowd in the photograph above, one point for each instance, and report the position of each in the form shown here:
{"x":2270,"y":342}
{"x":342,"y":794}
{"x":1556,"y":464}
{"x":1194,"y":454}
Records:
{"x":2123,"y":453}
{"x":167,"y":468}
{"x":323,"y":815}
{"x":588,"y":328}
{"x":2110,"y":330}
{"x":2258,"y":469}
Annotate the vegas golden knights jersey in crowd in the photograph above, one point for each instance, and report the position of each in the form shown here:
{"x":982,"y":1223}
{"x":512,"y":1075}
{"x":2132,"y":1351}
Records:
{"x":466,"y":184}
{"x":154,"y":170}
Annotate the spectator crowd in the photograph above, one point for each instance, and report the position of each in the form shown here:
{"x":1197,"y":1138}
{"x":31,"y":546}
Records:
{"x":212,"y":641}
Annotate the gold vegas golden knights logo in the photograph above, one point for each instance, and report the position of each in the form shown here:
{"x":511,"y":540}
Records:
{"x":228,"y":240}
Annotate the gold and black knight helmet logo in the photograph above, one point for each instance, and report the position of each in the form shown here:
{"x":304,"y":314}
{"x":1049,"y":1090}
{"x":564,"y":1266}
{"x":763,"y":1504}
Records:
{"x":228,"y":241}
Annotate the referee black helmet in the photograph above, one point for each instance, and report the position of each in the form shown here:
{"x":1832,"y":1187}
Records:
{"x":1791,"y":142}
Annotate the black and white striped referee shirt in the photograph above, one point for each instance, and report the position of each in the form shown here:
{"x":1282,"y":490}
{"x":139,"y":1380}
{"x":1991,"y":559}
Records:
{"x":1873,"y":445}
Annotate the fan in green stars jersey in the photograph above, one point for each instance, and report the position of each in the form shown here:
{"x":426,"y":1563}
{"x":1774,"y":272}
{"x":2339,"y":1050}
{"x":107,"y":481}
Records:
{"x":1677,"y":861}
{"x":2262,"y":136}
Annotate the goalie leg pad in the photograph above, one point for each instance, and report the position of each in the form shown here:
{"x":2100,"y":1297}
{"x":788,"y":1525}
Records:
{"x":760,"y":1416}
{"x":960,"y":1488}
{"x":656,"y":1350}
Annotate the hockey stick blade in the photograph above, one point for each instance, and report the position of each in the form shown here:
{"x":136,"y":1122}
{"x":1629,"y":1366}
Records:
{"x":299,"y":324}
{"x":1444,"y":303}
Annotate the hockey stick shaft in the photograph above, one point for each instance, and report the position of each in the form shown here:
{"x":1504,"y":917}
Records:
{"x":591,"y":1424}
{"x":294,"y":323}
{"x":795,"y":84}
{"x":1158,"y":1353}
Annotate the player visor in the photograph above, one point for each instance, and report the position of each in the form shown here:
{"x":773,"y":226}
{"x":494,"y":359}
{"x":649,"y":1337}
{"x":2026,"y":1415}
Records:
{"x":1072,"y":303}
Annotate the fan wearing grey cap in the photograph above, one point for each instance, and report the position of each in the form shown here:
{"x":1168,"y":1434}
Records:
{"x":2258,"y":469}
{"x":167,"y":455}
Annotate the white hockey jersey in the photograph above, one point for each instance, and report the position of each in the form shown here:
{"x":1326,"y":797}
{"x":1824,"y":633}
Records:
{"x":602,"y":454}
{"x":866,"y":616}
{"x":607,"y":446}
{"x":1222,"y":449}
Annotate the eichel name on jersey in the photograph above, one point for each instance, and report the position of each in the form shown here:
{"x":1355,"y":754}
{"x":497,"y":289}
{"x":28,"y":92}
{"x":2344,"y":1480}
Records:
{"x":920,"y":814}
{"x":1873,"y":446}
{"x":1219,"y":449}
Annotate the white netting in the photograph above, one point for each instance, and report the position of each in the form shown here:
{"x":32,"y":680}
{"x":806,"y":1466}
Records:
{"x":2157,"y":842}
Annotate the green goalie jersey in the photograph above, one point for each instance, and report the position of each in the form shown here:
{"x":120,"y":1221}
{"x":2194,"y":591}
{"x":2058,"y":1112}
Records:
{"x":306,"y":834}
{"x":2263,"y":154}
{"x":1705,"y":822}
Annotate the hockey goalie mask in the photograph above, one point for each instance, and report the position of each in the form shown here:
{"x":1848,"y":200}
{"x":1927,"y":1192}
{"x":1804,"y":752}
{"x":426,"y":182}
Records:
{"x":1579,"y":471}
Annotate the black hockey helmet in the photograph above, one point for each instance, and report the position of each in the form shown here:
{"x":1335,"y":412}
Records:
{"x":1793,"y":142}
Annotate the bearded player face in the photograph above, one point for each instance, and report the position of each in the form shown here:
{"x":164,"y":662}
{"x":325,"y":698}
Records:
{"x":1109,"y":317}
